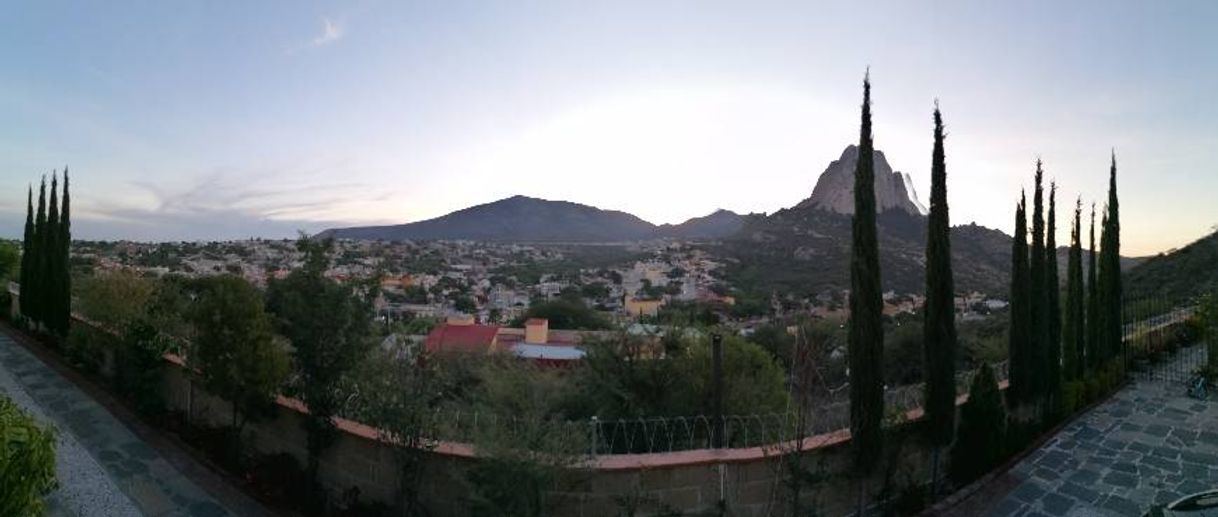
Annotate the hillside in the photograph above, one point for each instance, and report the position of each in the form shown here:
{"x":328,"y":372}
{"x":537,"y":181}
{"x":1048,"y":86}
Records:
{"x":1179,"y":275}
{"x":806,"y":251}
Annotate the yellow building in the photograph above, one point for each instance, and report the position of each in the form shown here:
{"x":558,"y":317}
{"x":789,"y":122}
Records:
{"x":641,"y":307}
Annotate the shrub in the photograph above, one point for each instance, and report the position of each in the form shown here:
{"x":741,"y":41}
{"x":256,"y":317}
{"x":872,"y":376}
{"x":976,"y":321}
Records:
{"x":27,"y":461}
{"x":138,"y":362}
{"x":983,"y":426}
{"x":1073,"y":397}
{"x":84,"y":347}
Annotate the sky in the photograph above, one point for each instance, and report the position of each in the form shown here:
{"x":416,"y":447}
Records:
{"x":193,"y":120}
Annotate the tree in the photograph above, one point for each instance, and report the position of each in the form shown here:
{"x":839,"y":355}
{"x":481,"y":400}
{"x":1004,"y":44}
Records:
{"x":234,"y":349}
{"x":63,"y":291}
{"x":328,"y":325}
{"x":1091,"y":346}
{"x":1074,"y":333}
{"x":1053,"y":311}
{"x":401,"y":399}
{"x":983,"y":422}
{"x":1038,"y":295}
{"x":49,"y":284}
{"x":939,"y":324}
{"x":1019,"y":337}
{"x":1110,"y":272}
{"x":28,"y":252}
{"x":866,"y":329}
{"x":38,"y":261}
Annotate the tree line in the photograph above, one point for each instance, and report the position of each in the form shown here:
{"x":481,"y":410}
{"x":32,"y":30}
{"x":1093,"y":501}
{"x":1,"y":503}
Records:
{"x":46,"y":283}
{"x":1058,"y":356}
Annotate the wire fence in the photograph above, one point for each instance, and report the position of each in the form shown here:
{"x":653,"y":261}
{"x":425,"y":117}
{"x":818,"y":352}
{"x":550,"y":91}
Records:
{"x":647,"y":435}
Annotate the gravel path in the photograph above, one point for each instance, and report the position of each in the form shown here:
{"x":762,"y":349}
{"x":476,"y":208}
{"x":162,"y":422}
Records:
{"x":84,"y":488}
{"x":103,"y":468}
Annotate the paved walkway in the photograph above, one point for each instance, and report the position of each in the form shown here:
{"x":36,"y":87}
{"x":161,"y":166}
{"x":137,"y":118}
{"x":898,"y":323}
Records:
{"x":1150,"y":444}
{"x":103,"y":469}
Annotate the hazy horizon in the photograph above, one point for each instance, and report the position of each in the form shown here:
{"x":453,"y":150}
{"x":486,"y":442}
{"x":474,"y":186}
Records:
{"x":199,"y":121}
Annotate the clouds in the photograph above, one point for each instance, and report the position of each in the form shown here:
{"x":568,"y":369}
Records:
{"x":331,"y":31}
{"x":223,"y":206}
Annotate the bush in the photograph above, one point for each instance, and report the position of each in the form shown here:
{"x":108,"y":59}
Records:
{"x":27,"y":461}
{"x":84,"y":347}
{"x":138,"y":362}
{"x":983,"y":426}
{"x":1073,"y":397}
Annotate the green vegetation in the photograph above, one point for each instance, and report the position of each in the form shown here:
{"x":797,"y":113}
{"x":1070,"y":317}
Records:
{"x":1052,"y":288}
{"x":567,"y":313}
{"x":234,"y":349}
{"x":983,"y":421}
{"x":1110,"y":320}
{"x":45,"y":278}
{"x":1091,"y":353}
{"x":27,"y":461}
{"x":939,"y":313}
{"x":1019,"y":336}
{"x":327,"y":324}
{"x":1074,"y":331}
{"x":865,"y":338}
{"x":1038,"y":294}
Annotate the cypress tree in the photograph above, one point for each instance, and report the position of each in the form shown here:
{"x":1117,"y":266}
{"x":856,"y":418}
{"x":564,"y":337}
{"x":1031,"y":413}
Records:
{"x":1102,"y":352}
{"x":1111,"y":255}
{"x":27,"y":252}
{"x":1074,"y":333}
{"x":1019,"y":336}
{"x":865,"y":335}
{"x":1038,"y":348}
{"x":1052,"y":287}
{"x":50,"y":281}
{"x":38,"y":261}
{"x":939,"y":328}
{"x":1091,"y":349}
{"x":64,"y":293}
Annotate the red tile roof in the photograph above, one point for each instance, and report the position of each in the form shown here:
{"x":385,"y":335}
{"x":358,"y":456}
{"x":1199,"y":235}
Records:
{"x":461,"y":338}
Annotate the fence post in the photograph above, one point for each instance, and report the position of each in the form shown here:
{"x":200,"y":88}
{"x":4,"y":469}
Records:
{"x":717,"y":390}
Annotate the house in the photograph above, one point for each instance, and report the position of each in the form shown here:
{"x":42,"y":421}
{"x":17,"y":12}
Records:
{"x":535,"y":342}
{"x":643,"y":307}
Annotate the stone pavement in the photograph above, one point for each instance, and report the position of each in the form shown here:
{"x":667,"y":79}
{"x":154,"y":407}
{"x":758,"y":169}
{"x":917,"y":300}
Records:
{"x":1150,"y":444}
{"x":103,"y":468}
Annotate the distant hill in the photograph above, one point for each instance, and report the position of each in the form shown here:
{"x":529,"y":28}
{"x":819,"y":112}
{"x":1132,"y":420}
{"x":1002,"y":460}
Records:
{"x":1178,"y":275}
{"x":719,"y":224}
{"x":521,"y":218}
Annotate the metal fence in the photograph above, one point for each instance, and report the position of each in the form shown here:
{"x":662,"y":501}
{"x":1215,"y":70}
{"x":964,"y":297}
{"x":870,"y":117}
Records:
{"x":1162,"y":341}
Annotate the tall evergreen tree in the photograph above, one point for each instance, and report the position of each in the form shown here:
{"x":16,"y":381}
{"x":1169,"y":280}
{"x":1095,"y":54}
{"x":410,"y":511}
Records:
{"x":27,"y":253}
{"x":1052,"y":287}
{"x":50,"y":277}
{"x":1111,"y":257}
{"x":1074,"y":333}
{"x":1020,"y":335}
{"x":865,"y":335}
{"x":64,"y":273}
{"x":38,"y":262}
{"x":939,"y":328}
{"x":1038,"y":355}
{"x":1091,"y":349}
